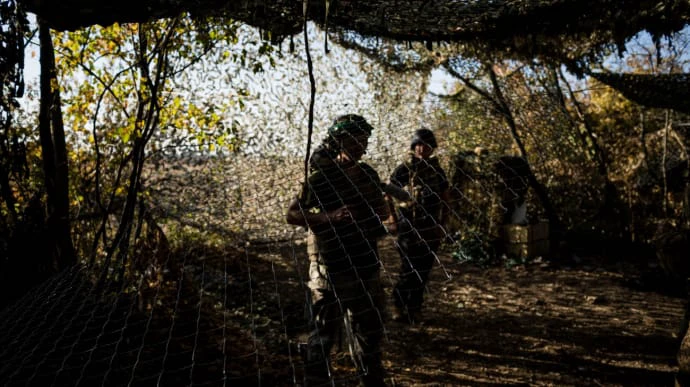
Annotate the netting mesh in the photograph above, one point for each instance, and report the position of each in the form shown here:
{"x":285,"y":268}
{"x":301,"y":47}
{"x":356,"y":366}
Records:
{"x":200,"y":316}
{"x":221,"y":290}
{"x":232,"y":312}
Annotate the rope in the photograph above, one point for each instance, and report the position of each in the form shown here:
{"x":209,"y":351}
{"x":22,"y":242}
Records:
{"x":312,"y":83}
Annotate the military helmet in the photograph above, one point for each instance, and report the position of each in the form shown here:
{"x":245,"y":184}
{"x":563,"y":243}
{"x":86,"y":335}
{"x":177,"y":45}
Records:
{"x":423,"y":136}
{"x":351,"y":124}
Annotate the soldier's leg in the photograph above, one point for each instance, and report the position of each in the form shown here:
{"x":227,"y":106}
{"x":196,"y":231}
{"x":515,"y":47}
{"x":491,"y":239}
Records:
{"x":365,"y":299}
{"x":417,"y":262}
{"x":325,"y":327}
{"x":401,"y":291}
{"x":324,"y":312}
{"x":318,"y":282}
{"x":371,"y":325}
{"x":422,"y":259}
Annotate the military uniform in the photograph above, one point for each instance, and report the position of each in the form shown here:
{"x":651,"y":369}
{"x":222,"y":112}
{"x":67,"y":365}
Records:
{"x":320,"y":160}
{"x":344,"y":266}
{"x":419,"y":229}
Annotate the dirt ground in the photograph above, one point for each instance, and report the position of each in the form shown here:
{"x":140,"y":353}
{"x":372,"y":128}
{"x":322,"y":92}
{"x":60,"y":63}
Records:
{"x":584,"y":323}
{"x":236,"y":314}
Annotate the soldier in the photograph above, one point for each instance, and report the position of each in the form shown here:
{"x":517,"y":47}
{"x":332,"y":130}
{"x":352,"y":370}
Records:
{"x":342,"y":204}
{"x":321,"y":160}
{"x":512,"y":173}
{"x":419,"y":222}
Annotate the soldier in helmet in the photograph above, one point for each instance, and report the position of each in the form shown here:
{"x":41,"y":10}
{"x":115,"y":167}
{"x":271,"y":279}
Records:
{"x":342,"y":203}
{"x":321,"y":159}
{"x":419,"y":222}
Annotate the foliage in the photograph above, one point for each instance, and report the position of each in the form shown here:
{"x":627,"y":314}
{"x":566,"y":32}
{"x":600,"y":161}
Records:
{"x":604,"y":160}
{"x":124,"y":103}
{"x":13,"y":27}
{"x":475,"y":251}
{"x":645,"y":147}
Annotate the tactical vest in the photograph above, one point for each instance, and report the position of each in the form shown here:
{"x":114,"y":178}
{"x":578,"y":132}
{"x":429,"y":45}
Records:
{"x":426,"y":181}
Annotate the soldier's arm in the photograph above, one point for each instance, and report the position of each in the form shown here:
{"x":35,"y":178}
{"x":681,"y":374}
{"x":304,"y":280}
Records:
{"x":316,"y":221}
{"x":396,"y":192}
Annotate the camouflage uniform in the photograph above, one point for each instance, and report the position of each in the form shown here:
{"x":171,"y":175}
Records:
{"x":344,"y":267}
{"x":318,"y":282}
{"x":419,"y":229}
{"x":320,"y":160}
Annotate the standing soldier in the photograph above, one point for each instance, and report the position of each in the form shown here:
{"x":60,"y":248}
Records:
{"x":321,"y":160}
{"x":343,"y":204}
{"x":420,"y":222}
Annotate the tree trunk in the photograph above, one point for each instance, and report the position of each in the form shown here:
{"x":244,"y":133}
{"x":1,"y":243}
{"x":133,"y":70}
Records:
{"x":54,"y":152}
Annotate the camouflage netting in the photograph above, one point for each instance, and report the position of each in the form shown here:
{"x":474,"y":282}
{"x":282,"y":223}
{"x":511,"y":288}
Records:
{"x":566,"y":29}
{"x":214,"y":291}
{"x":653,"y":90}
{"x":572,"y":32}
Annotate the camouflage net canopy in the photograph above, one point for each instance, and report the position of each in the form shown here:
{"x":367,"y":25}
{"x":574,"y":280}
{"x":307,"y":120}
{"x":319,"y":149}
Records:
{"x":559,"y":29}
{"x":671,"y":91}
{"x":214,"y":290}
{"x":571,"y":32}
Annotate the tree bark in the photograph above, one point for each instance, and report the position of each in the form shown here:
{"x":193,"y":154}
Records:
{"x":54,"y":152}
